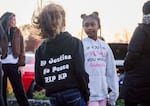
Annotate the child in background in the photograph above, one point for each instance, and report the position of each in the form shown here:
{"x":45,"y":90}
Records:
{"x":99,"y":64}
{"x":59,"y":61}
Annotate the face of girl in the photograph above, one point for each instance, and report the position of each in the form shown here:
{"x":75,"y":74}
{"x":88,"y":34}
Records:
{"x":12,"y":22}
{"x":91,"y":27}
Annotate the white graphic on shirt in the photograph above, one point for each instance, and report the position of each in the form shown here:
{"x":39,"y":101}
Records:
{"x":42,"y":62}
{"x":55,"y":69}
{"x":96,"y":56}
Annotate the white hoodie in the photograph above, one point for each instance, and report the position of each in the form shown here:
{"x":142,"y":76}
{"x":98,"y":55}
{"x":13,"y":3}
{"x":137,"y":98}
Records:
{"x":100,"y":65}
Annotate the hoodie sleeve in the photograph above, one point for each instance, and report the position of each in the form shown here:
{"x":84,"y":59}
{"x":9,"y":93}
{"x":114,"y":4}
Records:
{"x":112,"y":78}
{"x":81,"y":76}
{"x":38,"y":72}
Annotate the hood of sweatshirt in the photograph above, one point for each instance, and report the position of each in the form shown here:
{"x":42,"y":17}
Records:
{"x":56,"y":46}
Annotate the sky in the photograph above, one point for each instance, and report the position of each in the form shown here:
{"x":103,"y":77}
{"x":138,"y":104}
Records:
{"x":115,"y":15}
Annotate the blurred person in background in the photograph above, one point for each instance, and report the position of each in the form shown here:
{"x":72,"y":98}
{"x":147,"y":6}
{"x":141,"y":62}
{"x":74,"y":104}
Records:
{"x":136,"y":85}
{"x":13,"y":58}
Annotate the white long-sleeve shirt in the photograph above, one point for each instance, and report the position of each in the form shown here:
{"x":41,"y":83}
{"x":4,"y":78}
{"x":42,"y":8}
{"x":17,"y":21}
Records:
{"x":100,"y":65}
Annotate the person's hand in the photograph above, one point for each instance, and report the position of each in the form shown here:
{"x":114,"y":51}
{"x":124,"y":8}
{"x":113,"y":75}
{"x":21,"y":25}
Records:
{"x":87,"y":104}
{"x":111,"y":102}
{"x":112,"y":98}
{"x":20,"y":68}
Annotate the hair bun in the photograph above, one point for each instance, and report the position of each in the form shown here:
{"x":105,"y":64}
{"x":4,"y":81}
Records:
{"x":95,"y":13}
{"x":83,"y":16}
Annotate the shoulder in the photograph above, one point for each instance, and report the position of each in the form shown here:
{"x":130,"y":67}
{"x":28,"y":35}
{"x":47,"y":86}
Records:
{"x":103,"y":43}
{"x":77,"y":43}
{"x":144,"y":28}
{"x":15,"y":29}
{"x":140,"y":30}
{"x":42,"y":46}
{"x":76,"y":39}
{"x":72,"y":39}
{"x":84,"y":40}
{"x":140,"y":27}
{"x":69,"y":37}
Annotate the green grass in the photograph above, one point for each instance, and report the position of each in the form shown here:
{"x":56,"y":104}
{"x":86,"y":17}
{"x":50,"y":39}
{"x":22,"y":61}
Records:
{"x":36,"y":95}
{"x":120,"y":102}
{"x":11,"y":95}
{"x":39,"y":95}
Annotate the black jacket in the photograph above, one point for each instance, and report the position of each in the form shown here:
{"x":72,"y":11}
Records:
{"x":59,"y":65}
{"x":137,"y":66}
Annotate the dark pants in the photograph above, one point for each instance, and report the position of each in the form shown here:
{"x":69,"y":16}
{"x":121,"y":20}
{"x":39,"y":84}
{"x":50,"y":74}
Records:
{"x":11,"y":71}
{"x":70,"y":97}
{"x":1,"y":95}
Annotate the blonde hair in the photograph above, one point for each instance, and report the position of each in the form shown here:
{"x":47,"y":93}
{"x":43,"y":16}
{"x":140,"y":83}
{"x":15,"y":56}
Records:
{"x":51,"y":20}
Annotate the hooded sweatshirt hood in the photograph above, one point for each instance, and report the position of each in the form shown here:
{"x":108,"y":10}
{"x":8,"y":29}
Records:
{"x":55,"y":45}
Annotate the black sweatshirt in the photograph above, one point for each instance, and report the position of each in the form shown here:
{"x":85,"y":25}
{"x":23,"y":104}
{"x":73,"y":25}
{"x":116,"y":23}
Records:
{"x":59,"y":65}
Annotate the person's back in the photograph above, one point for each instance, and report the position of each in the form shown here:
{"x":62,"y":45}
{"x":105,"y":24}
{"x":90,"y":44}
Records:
{"x":59,"y":61}
{"x":137,"y":81}
{"x":61,"y":54}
